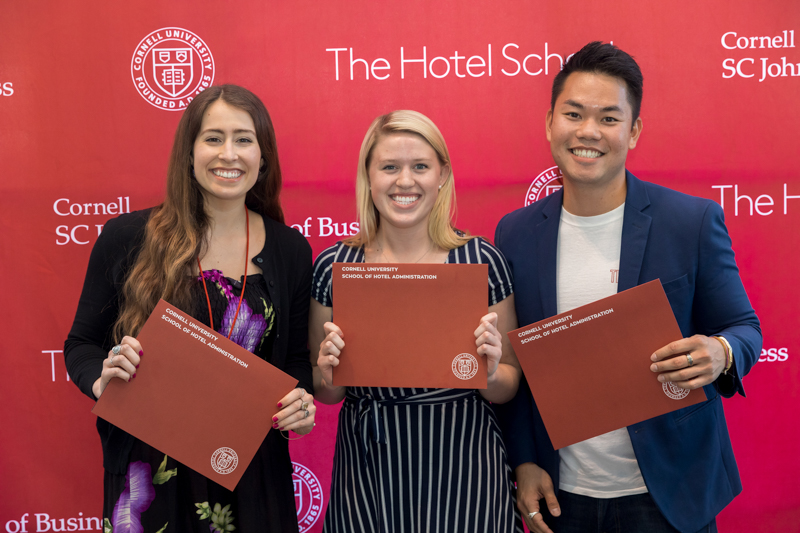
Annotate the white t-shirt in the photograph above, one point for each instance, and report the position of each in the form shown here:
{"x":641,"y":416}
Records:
{"x":587,"y":270}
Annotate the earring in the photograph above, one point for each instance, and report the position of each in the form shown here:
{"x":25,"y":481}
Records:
{"x":440,"y":187}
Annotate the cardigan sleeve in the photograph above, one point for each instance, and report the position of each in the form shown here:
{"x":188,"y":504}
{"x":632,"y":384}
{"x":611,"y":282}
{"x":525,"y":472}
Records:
{"x":98,"y":307}
{"x":298,"y":364}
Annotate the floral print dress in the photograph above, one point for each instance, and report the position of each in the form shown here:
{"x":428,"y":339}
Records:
{"x":160,"y":495}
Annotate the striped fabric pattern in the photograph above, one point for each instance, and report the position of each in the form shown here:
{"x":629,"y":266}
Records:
{"x":419,"y":460}
{"x":475,"y":251}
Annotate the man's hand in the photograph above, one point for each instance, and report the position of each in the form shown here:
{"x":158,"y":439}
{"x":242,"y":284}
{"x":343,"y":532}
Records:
{"x":533,"y":484}
{"x":689,"y":363}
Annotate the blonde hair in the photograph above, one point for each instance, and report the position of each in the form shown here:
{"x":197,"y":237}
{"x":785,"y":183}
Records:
{"x":440,"y":222}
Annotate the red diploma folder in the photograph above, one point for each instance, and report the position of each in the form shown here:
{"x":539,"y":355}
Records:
{"x":410,"y":325}
{"x":589,"y":368}
{"x":198,"y":397}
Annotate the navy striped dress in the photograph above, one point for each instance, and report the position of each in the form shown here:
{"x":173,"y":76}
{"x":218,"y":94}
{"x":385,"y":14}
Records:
{"x":419,"y":460}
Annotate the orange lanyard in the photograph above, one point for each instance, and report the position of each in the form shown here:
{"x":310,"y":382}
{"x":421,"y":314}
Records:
{"x":241,"y":297}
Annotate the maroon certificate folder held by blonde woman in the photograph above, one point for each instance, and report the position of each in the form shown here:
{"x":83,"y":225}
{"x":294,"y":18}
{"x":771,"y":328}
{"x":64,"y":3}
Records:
{"x":410,"y":325}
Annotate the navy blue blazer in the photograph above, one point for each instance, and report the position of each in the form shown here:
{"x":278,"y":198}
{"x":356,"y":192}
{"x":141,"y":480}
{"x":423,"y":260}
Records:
{"x":685,"y":456}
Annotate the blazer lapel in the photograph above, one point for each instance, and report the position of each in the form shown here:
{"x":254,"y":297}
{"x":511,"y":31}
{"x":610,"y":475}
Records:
{"x":546,"y":253}
{"x":635,"y":230}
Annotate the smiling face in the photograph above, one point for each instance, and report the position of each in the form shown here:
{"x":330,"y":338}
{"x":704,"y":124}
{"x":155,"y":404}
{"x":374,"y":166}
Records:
{"x":226,"y":156}
{"x":404,"y":176}
{"x":591,"y":129}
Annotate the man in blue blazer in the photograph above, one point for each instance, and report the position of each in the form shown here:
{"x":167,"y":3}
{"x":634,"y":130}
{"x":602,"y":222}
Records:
{"x":606,"y":231}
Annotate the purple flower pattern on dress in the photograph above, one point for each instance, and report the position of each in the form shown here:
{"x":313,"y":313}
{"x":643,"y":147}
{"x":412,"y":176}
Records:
{"x":139,"y":493}
{"x":250,"y":328}
{"x":219,"y":280}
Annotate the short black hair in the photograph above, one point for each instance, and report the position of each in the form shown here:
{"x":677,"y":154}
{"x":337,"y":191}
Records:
{"x":603,"y":58}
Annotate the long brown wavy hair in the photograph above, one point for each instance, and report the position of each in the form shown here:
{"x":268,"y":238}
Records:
{"x":176,"y":230}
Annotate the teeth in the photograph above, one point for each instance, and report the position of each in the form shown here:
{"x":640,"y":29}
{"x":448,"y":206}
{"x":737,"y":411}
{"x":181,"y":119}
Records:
{"x":405,"y":200}
{"x":227,"y":174}
{"x":592,"y":154}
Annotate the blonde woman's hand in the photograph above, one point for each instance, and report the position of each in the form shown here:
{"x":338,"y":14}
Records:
{"x":489,"y":343}
{"x":329,"y":351}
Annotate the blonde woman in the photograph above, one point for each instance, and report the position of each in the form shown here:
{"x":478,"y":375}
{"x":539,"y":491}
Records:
{"x":415,"y":459}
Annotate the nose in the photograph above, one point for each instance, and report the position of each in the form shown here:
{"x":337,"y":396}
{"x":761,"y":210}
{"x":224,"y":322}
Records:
{"x":406,"y":178}
{"x":228,"y":151}
{"x":589,"y":129}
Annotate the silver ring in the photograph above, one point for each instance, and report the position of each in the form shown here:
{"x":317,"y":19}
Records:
{"x":689,"y":358}
{"x":306,"y":413}
{"x":115,"y":350}
{"x":532,"y":514}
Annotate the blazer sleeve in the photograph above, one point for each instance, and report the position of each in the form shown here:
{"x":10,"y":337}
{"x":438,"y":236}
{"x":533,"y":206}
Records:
{"x":721,"y":305}
{"x":517,"y":418}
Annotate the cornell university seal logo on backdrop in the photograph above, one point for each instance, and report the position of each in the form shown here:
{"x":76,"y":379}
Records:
{"x":170,"y":67}
{"x":465,"y":366}
{"x":544,"y":185}
{"x":307,"y":496}
{"x":224,"y":461}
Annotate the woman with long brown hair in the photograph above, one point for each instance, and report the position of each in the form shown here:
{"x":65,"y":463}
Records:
{"x":218,"y":248}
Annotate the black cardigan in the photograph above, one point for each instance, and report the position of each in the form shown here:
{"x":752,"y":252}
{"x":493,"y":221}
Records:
{"x":286,"y":265}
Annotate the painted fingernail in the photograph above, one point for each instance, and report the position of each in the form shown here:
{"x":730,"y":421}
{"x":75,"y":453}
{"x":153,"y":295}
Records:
{"x":134,"y":374}
{"x":274,"y":426}
{"x":274,"y":418}
{"x":137,"y":366}
{"x":141,"y":353}
{"x":280,"y":404}
{"x":281,"y":428}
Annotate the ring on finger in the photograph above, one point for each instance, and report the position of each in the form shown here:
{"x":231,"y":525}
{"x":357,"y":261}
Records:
{"x":304,"y":407}
{"x":116,"y":349}
{"x":306,"y":413}
{"x":689,"y":359}
{"x":532,"y":514}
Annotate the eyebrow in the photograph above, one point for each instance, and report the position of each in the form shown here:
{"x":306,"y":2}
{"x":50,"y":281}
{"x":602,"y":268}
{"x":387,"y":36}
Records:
{"x":606,"y":109}
{"x":388,"y":160}
{"x":212,"y":130}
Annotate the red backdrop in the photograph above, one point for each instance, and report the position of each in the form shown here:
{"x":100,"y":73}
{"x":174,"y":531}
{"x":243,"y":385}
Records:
{"x":87,"y":125}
